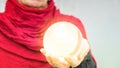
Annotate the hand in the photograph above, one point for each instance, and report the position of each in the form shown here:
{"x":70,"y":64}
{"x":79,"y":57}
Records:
{"x":75,"y":59}
{"x":70,"y":60}
{"x":56,"y":62}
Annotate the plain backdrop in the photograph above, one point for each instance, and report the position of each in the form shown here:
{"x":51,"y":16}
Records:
{"x":101,"y":19}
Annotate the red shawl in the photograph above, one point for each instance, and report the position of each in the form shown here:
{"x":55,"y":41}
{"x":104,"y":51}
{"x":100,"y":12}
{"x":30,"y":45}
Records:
{"x":19,"y":33}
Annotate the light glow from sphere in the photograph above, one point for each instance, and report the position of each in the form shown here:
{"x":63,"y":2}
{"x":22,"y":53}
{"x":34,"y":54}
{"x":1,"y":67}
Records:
{"x":61,"y":38}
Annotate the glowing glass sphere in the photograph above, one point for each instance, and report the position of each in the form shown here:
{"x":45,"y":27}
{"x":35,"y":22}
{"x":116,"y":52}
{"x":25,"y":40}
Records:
{"x":62,"y":38}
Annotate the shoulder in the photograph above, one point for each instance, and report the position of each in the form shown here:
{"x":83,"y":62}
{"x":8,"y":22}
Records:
{"x":70,"y":18}
{"x":74,"y":20}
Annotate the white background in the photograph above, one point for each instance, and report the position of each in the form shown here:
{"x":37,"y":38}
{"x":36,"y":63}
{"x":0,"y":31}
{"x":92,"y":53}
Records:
{"x":101,"y":19}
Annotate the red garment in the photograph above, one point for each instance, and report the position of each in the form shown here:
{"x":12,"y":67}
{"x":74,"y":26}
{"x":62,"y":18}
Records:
{"x":20,"y":29}
{"x":19,"y":38}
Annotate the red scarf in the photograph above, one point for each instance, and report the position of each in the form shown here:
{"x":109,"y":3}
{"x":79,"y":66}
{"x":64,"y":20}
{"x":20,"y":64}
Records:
{"x":20,"y":27}
{"x":25,"y":22}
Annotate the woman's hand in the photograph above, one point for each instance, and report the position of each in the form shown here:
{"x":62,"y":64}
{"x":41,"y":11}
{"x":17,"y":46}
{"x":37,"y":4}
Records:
{"x":75,"y":59}
{"x":56,"y":62}
{"x":70,"y":60}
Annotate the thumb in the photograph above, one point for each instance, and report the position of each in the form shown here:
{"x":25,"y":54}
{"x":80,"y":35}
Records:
{"x":42,"y":50}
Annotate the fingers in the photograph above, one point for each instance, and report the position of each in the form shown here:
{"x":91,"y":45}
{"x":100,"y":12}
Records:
{"x":48,"y":57}
{"x":58,"y":62}
{"x":50,"y":60}
{"x":85,"y":49}
{"x":72,"y":61}
{"x":42,"y":50}
{"x":76,"y":59}
{"x":65,"y":63}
